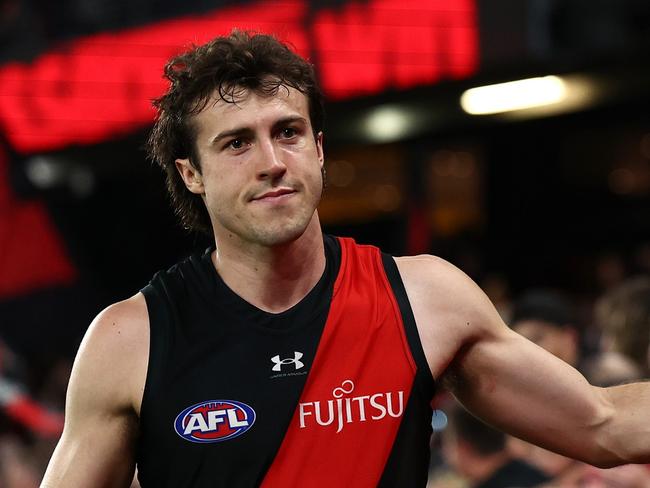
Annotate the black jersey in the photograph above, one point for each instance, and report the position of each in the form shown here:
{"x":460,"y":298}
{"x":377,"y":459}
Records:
{"x":335,"y":391}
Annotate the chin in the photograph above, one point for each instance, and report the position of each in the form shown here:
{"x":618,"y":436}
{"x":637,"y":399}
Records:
{"x":279,"y":236}
{"x":269,"y":231}
{"x":275,"y":231}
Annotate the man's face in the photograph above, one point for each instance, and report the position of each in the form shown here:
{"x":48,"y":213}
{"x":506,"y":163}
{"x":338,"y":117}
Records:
{"x":261,"y":167}
{"x":559,"y":341}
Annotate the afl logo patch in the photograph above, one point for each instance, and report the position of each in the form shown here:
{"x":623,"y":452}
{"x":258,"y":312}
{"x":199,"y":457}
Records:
{"x":214,"y":421}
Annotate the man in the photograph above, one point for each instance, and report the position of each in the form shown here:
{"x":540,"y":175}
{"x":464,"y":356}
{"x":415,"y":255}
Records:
{"x":623,"y":314}
{"x":547,"y":319}
{"x":478,"y":452}
{"x":286,"y":357}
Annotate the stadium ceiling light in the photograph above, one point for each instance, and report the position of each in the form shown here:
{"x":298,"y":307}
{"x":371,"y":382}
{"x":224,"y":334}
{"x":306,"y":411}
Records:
{"x":44,"y":172}
{"x":514,"y":95}
{"x":388,"y":123}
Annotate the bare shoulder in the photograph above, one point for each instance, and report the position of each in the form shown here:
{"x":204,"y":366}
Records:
{"x":120,"y":322}
{"x":97,"y":447}
{"x":438,"y":286}
{"x":426,"y":270}
{"x":449,"y":308}
{"x":113,"y":355}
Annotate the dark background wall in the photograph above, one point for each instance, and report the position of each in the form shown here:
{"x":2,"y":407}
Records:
{"x":561,"y":201}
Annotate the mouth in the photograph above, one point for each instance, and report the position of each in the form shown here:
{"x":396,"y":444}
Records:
{"x":275,"y":195}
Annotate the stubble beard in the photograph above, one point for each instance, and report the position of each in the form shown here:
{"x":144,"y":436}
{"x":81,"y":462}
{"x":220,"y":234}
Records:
{"x":266,"y":229}
{"x":282,"y":232}
{"x":269,"y":231}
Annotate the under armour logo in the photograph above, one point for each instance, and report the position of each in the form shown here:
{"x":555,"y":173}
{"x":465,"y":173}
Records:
{"x":294,"y":360}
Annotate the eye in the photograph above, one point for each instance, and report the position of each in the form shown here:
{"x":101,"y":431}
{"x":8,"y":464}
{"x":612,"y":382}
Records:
{"x":288,"y":132}
{"x":235,"y":144}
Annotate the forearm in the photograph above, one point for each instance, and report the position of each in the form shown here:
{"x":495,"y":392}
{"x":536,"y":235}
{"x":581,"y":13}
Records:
{"x":625,"y":436}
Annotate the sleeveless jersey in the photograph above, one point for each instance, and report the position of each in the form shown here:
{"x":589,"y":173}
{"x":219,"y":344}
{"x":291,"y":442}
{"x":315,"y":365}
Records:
{"x":333,"y":392}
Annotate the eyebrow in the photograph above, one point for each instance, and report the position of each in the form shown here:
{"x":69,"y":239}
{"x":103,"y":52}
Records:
{"x":247,"y":131}
{"x":237,"y":132}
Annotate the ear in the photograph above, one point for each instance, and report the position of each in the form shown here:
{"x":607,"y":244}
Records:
{"x":319,"y":148}
{"x":191,"y":176}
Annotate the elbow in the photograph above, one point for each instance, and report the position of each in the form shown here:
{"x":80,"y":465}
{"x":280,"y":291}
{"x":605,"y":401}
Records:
{"x":608,"y":453}
{"x":606,"y":449}
{"x":606,"y":460}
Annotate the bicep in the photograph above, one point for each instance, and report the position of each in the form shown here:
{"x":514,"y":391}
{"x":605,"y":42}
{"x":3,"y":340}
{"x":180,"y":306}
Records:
{"x":497,"y":374}
{"x":522,"y":389}
{"x":98,"y":441}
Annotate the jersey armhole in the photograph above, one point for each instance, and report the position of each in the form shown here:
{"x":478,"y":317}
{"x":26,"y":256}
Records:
{"x":154,"y":304}
{"x":425,"y":377}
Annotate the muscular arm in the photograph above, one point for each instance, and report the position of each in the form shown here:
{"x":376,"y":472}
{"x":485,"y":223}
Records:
{"x":97,"y":445}
{"x":629,"y":429}
{"x":512,"y":383}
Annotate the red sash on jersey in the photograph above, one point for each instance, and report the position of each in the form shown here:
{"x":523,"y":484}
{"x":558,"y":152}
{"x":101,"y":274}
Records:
{"x":344,"y":426}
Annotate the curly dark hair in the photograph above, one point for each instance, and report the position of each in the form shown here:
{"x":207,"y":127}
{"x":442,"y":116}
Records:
{"x":230,"y":66}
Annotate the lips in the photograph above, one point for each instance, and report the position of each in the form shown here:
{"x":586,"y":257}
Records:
{"x":269,"y":195}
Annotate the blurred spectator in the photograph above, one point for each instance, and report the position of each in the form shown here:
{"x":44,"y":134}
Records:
{"x":29,"y":427}
{"x":497,"y":288}
{"x":606,"y":369}
{"x":546,"y":318}
{"x":642,"y":258}
{"x":478,"y":452}
{"x":16,"y":467}
{"x":623,"y":314}
{"x":611,"y":270}
{"x":586,"y":476}
{"x":610,"y":368}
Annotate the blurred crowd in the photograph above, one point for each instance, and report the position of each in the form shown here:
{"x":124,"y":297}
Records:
{"x":609,"y":343}
{"x":606,"y":337}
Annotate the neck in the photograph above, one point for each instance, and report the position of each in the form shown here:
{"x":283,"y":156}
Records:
{"x":272,"y":278}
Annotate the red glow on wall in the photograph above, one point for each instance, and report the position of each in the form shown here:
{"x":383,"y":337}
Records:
{"x":32,"y":254}
{"x":364,"y":49}
{"x":101,"y":86}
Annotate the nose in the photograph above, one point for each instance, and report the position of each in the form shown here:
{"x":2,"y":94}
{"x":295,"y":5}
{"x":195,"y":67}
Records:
{"x":270,"y":165}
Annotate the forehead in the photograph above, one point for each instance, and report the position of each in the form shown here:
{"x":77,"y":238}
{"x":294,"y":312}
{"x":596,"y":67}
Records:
{"x":251,"y":110}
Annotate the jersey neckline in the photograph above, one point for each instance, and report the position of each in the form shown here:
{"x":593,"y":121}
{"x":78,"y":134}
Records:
{"x":312,"y":304}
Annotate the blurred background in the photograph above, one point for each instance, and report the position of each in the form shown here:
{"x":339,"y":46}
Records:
{"x":538,"y":186}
